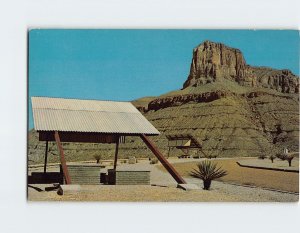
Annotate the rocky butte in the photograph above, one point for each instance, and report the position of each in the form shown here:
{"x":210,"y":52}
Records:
{"x":232,"y":108}
{"x":214,"y":62}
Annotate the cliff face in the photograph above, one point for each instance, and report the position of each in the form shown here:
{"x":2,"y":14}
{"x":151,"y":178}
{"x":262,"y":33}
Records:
{"x":281,"y":80}
{"x":173,"y":101}
{"x":214,"y":61}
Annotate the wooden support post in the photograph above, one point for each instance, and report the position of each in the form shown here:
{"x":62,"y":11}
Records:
{"x":116,"y":153}
{"x":62,"y":158}
{"x":46,"y":155}
{"x":163,"y":160}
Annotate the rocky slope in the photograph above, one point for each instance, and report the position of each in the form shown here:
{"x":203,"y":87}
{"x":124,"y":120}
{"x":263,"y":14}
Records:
{"x":233,"y":109}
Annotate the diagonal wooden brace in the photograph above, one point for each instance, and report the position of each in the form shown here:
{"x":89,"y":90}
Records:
{"x":62,"y":158}
{"x":163,"y":160}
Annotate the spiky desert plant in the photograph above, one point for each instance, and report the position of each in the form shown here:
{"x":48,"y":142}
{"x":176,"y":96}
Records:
{"x":272,"y":157}
{"x":97,"y":157}
{"x":208,"y":171}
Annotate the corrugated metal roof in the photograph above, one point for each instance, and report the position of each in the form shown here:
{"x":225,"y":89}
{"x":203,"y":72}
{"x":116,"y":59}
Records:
{"x":75,"y":115}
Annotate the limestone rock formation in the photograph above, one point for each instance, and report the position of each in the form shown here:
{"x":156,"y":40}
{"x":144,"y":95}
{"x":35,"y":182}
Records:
{"x":214,"y":61}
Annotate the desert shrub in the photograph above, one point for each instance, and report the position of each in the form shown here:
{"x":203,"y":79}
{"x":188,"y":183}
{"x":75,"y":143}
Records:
{"x":208,"y":171}
{"x":281,"y":156}
{"x":272,"y":157}
{"x":98,"y":158}
{"x":286,"y":157}
{"x":262,"y":156}
{"x":289,"y":158}
{"x":154,"y":161}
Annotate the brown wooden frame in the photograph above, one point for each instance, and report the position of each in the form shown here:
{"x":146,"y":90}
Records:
{"x":62,"y":158}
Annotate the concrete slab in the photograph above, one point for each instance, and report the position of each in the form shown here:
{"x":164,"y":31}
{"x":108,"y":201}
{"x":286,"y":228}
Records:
{"x":188,"y":187}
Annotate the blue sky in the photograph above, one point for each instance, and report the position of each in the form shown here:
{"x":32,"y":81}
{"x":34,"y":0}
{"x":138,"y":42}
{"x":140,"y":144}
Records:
{"x":128,"y":64}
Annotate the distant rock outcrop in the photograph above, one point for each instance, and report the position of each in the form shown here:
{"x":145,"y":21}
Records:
{"x":172,"y":101}
{"x":215,"y":61}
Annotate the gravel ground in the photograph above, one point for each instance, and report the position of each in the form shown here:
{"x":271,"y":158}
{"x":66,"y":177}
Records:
{"x":247,"y":193}
{"x":130,"y":193}
{"x":279,"y":180}
{"x":220,"y":192}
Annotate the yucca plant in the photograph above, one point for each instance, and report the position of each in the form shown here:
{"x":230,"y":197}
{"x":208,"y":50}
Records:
{"x":208,"y":171}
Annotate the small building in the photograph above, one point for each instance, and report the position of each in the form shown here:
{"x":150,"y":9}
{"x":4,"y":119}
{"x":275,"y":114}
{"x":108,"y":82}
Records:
{"x":92,"y":121}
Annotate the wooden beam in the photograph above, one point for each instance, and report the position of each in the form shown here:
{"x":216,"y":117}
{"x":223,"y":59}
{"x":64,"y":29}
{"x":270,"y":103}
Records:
{"x":116,"y":154}
{"x":62,"y":158}
{"x":83,"y":137}
{"x":46,"y":155}
{"x":163,"y":160}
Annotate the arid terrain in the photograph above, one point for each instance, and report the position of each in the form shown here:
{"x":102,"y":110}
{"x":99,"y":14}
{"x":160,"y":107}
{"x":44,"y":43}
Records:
{"x":241,"y":184}
{"x":220,"y":193}
{"x":278,"y":180}
{"x":232,"y":108}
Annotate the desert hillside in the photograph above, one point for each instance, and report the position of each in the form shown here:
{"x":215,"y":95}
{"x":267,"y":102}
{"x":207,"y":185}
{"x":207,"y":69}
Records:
{"x":232,"y":108}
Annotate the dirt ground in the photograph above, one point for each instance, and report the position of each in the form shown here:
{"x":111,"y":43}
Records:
{"x":280,"y":180}
{"x":220,"y":191}
{"x":132,"y":194}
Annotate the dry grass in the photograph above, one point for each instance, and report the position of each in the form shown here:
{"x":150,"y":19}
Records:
{"x":287,"y":181}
